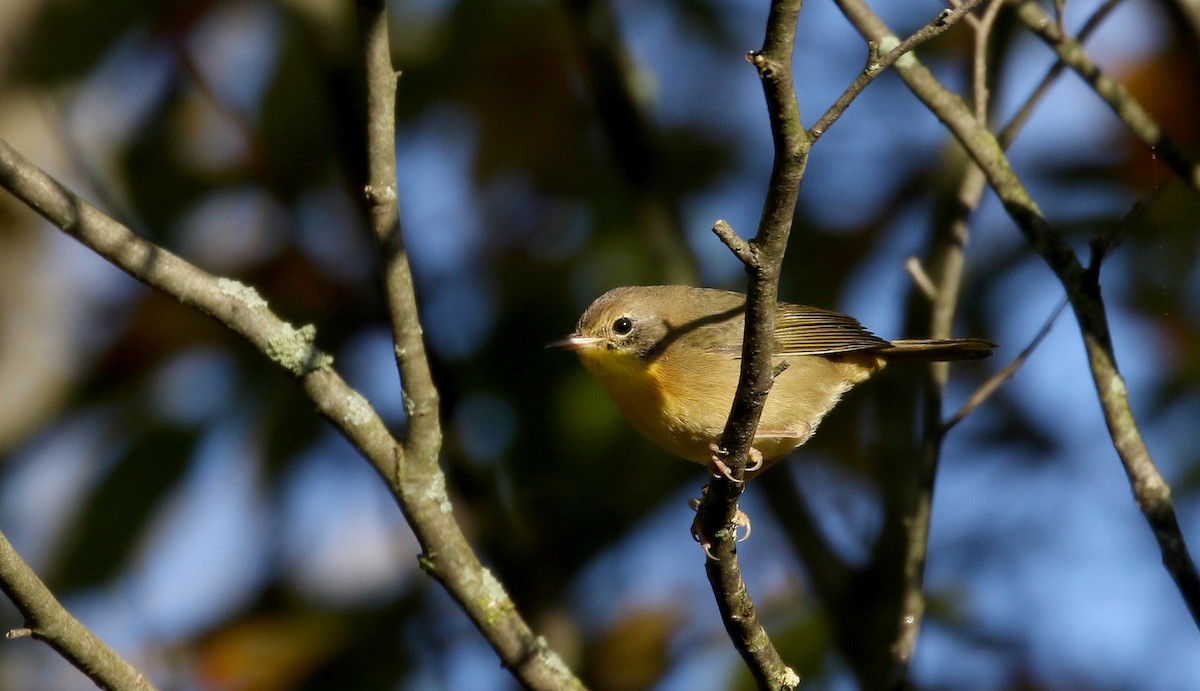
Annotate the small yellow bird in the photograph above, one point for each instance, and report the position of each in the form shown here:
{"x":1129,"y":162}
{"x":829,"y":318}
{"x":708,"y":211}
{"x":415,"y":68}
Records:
{"x":669,"y":357}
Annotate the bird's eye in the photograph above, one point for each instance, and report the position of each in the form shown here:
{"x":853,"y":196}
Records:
{"x":622,"y":326}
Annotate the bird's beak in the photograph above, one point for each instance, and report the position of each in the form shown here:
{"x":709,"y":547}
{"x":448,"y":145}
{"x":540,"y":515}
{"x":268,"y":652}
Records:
{"x":575,"y":342}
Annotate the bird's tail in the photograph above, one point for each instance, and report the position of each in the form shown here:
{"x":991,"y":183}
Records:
{"x":937,"y":350}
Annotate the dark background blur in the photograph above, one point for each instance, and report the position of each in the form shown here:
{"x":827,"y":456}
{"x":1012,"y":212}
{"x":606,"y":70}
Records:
{"x":182,"y":498}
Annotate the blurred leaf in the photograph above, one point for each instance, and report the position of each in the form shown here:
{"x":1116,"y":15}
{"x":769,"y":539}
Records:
{"x":93,"y":28}
{"x":634,"y":653}
{"x":117,"y":513}
{"x":308,"y":109}
{"x":269,"y":652}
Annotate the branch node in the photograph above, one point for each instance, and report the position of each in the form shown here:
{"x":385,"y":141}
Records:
{"x":741,"y":248}
{"x":14,"y":634}
{"x":779,"y":368}
{"x":765,"y":68}
{"x":377,"y":196}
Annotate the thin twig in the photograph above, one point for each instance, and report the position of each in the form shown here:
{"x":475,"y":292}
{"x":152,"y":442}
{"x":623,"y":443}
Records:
{"x":921,"y":279}
{"x":989,"y":387}
{"x":979,"y":61}
{"x":881,"y":55}
{"x":741,"y":249}
{"x":1009,"y":134}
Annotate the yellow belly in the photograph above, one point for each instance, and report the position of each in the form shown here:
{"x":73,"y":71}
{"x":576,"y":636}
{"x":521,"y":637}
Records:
{"x":684,"y":415}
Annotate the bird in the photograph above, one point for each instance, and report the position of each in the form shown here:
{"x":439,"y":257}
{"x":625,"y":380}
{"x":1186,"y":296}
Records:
{"x":669,"y":356}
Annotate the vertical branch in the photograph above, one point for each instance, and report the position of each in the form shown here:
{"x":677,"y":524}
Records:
{"x":944,"y":265}
{"x":763,"y":257}
{"x":424,"y":435}
{"x":418,"y":481}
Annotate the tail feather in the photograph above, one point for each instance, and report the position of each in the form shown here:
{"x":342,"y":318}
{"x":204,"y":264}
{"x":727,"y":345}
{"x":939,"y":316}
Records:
{"x":935,"y":350}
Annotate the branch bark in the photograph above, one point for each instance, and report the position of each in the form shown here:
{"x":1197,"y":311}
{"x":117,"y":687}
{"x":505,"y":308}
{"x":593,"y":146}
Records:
{"x":763,"y":257}
{"x":881,"y":56}
{"x":1143,"y":125}
{"x":416,"y":478}
{"x":1150,"y":490}
{"x":410,"y":468}
{"x":47,"y":620}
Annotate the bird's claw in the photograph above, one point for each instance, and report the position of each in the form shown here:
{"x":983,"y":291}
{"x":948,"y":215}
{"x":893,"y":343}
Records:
{"x":740,"y":520}
{"x":754,"y":460}
{"x":718,"y":467}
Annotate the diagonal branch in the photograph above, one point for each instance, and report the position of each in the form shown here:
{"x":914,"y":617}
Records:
{"x":994,"y":382}
{"x":420,"y":490}
{"x":47,"y":620}
{"x":883,"y":55}
{"x":1150,"y":490}
{"x":1137,"y":119}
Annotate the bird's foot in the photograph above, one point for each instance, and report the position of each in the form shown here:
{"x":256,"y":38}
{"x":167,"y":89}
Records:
{"x":718,"y":467}
{"x":740,"y":520}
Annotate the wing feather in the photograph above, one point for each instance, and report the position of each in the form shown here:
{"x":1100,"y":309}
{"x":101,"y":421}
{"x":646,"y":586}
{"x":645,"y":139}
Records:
{"x":804,"y":330}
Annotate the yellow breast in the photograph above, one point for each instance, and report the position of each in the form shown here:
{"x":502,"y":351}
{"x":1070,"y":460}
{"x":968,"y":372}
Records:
{"x":657,"y":403}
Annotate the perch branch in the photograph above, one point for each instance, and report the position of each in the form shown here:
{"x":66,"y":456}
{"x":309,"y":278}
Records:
{"x":717,"y":510}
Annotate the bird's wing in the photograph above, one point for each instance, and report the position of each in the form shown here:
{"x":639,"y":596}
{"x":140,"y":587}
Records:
{"x":803,"y":330}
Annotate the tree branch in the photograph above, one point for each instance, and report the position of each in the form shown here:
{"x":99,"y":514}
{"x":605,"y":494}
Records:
{"x":1150,"y":490}
{"x":420,"y":490}
{"x":47,"y":620}
{"x":423,"y":442}
{"x":1140,"y":123}
{"x":971,"y":191}
{"x":718,"y":508}
{"x":1014,"y":126}
{"x":419,"y":482}
{"x":880,"y":56}
{"x":945,"y":262}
